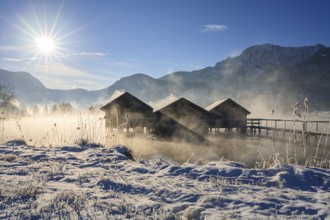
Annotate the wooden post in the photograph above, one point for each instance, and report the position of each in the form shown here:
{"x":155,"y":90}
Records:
{"x":251,"y":128}
{"x":267,"y":127}
{"x":276,"y":129}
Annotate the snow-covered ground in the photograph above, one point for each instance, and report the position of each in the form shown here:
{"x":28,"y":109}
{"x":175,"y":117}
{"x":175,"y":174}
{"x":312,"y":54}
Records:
{"x":74,"y":182}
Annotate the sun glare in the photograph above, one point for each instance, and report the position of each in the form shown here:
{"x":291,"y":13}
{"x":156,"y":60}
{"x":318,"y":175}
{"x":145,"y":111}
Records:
{"x":45,"y":45}
{"x":44,"y":35}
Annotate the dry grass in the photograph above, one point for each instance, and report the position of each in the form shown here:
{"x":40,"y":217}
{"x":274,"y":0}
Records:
{"x":301,"y":151}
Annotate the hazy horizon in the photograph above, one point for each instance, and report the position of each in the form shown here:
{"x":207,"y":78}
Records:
{"x":137,"y":73}
{"x":90,"y":45}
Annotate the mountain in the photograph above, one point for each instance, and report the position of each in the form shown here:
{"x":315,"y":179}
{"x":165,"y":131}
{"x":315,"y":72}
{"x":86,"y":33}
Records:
{"x":262,"y":77}
{"x":26,"y":87}
{"x":29,"y":90}
{"x":266,"y":76}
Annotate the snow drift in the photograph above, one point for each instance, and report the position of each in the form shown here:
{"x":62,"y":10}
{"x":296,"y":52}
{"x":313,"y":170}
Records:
{"x":86,"y":182}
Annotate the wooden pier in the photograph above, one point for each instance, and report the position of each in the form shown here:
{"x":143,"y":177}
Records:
{"x":279,"y":127}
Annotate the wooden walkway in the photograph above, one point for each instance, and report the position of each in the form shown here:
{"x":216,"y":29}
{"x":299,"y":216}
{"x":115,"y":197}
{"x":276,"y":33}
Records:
{"x":275,"y":127}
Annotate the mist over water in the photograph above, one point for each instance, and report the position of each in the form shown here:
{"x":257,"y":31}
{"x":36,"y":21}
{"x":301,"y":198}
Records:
{"x":248,"y":150}
{"x":58,"y":130}
{"x":54,"y":129}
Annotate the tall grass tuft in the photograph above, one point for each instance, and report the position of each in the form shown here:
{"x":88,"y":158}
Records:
{"x":90,"y":130}
{"x":300,"y":152}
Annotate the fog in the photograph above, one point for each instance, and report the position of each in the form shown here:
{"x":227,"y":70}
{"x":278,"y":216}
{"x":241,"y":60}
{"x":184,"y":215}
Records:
{"x":55,"y":129}
{"x":70,"y":129}
{"x":156,"y":105}
{"x":180,"y":152}
{"x":41,"y":127}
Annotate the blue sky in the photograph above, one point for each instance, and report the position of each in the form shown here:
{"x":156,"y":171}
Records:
{"x":98,"y":42}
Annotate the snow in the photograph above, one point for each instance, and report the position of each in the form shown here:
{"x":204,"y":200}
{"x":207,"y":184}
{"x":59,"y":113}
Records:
{"x":92,"y":182}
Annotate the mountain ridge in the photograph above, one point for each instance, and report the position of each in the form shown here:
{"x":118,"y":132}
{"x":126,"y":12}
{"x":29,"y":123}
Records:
{"x":267,"y":75}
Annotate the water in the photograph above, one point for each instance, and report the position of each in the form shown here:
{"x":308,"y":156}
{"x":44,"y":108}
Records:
{"x":65,"y":129}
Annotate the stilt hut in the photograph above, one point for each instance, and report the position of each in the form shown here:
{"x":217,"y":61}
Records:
{"x":229,"y":114}
{"x":127,"y":113}
{"x":188,"y":115}
{"x":181,"y":119}
{"x":166,"y":128}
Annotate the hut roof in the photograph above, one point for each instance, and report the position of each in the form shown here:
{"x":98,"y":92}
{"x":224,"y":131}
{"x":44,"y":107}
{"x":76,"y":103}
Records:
{"x":224,"y":102}
{"x":183,"y":104}
{"x":128,"y":100}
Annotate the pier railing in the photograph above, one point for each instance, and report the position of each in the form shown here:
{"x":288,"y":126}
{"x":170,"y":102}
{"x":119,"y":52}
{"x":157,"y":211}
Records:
{"x":283,"y":126}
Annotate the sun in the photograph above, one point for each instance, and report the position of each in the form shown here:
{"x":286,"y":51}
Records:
{"x":45,"y":45}
{"x":43,"y":36}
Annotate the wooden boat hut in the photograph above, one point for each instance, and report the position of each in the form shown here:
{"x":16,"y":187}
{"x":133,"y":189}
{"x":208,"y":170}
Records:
{"x":182,"y":119}
{"x":127,"y":113}
{"x":189,"y":115}
{"x":166,"y":128}
{"x":229,"y":114}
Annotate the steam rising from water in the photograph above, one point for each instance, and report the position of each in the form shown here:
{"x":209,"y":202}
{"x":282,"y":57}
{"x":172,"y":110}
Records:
{"x":50,"y":130}
{"x":116,"y":94}
{"x":163,"y":102}
{"x":68,"y":129}
{"x":54,"y":130}
{"x":180,"y":152}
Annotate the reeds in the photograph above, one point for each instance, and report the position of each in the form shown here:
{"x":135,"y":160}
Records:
{"x":83,"y":127}
{"x":304,"y":151}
